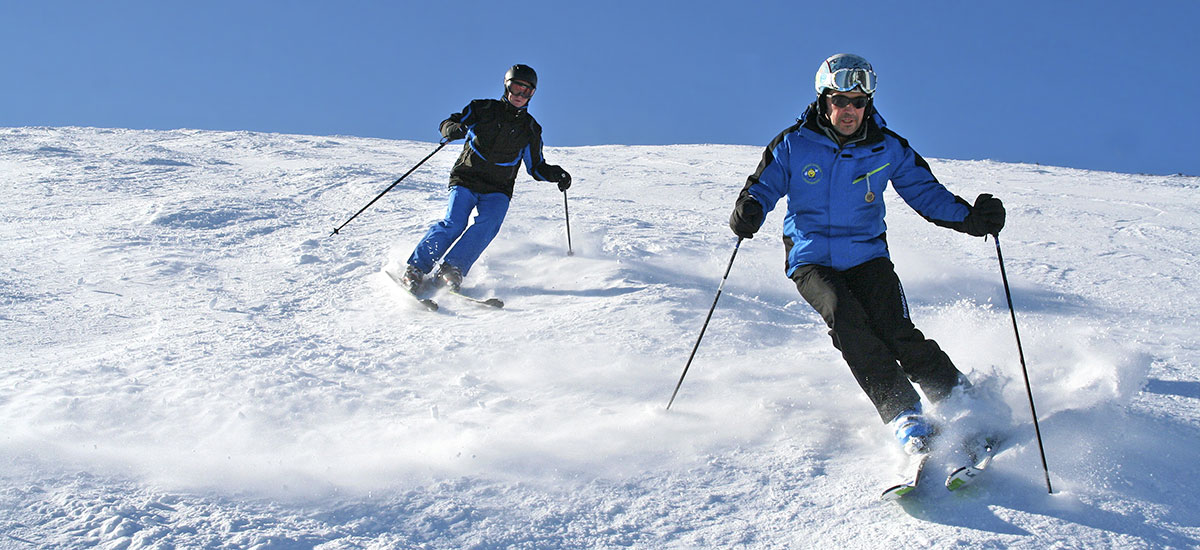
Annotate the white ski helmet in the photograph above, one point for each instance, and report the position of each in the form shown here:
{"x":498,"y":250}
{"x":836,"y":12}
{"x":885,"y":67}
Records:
{"x":844,"y":72}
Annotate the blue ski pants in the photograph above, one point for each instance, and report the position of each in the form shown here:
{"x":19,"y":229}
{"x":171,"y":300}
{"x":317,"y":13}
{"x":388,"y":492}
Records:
{"x":439,"y":242}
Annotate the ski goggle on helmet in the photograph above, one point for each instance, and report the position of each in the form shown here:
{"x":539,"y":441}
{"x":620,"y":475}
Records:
{"x":844,"y":72}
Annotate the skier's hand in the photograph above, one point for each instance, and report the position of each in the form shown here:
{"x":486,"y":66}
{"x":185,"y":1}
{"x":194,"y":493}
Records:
{"x":986,"y":217}
{"x":747,"y":216}
{"x":453,"y":131}
{"x":557,"y":175}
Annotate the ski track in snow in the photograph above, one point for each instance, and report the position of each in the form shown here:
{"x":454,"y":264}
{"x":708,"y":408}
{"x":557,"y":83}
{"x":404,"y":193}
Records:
{"x":191,"y":361}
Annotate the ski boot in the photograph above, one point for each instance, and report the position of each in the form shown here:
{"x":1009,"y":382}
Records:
{"x":412,"y":278}
{"x":912,"y":430}
{"x":450,"y":277}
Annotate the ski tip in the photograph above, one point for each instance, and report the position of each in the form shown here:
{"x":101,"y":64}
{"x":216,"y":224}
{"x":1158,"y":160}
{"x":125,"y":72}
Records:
{"x":490,"y":302}
{"x":963,"y":476}
{"x":429,"y":305}
{"x":958,"y":479}
{"x":894,"y":493}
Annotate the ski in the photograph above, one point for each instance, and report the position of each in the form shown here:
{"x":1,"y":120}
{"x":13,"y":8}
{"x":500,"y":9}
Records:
{"x":490,"y":302}
{"x":427,"y":302}
{"x":911,"y":474}
{"x":979,"y":456}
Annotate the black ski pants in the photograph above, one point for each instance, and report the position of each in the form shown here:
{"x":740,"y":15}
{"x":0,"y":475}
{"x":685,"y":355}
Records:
{"x":868,"y":320}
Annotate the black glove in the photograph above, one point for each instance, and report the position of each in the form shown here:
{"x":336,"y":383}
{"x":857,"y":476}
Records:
{"x":747,"y":216}
{"x":986,"y":217}
{"x":453,"y":130}
{"x":557,"y":175}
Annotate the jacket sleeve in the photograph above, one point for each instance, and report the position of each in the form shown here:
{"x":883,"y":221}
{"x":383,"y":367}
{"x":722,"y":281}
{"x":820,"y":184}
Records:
{"x":915,"y":183}
{"x":770,"y":181}
{"x":535,"y":163}
{"x":459,"y":125}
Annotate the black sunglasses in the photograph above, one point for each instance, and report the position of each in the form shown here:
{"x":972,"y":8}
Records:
{"x":841,"y":101}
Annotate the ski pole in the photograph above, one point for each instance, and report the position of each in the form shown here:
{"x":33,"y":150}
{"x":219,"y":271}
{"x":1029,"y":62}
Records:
{"x":1020,"y":353}
{"x":706,"y":320}
{"x":567,"y":211}
{"x":398,"y":180}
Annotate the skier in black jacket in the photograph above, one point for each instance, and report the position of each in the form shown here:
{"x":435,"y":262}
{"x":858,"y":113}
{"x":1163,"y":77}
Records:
{"x":501,"y":134}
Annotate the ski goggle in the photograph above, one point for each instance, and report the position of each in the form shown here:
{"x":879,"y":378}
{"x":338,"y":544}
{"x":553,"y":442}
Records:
{"x":844,"y":80}
{"x":519,"y":88}
{"x":841,"y":101}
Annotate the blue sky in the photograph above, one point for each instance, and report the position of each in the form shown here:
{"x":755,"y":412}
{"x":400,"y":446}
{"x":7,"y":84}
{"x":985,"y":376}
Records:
{"x":1096,"y":85}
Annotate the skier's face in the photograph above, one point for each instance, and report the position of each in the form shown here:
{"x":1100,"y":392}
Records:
{"x":519,"y":93}
{"x":849,"y":116}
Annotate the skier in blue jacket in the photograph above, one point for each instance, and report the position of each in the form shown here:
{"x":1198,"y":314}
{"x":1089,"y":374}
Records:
{"x":833,"y":166}
{"x":501,"y":134}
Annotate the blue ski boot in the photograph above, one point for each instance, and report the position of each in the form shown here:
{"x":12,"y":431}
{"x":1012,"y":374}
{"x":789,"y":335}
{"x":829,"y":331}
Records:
{"x":912,"y":430}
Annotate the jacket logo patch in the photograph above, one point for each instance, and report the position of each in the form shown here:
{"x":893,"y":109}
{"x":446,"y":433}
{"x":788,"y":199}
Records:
{"x":812,"y":174}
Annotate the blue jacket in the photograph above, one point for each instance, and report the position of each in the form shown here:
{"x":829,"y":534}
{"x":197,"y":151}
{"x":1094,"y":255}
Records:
{"x":835,"y":204}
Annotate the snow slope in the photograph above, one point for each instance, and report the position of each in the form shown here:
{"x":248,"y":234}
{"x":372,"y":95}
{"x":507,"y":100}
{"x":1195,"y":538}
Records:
{"x":190,"y":360}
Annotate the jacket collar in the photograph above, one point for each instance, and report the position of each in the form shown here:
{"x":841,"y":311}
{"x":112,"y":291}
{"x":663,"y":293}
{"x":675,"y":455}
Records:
{"x":509,"y":105}
{"x":871,"y":131}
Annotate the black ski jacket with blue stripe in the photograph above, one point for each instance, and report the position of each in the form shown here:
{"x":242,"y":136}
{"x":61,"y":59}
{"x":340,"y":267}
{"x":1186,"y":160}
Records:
{"x":499,"y":137}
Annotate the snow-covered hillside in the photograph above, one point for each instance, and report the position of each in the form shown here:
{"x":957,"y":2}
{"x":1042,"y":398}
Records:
{"x":190,"y":360}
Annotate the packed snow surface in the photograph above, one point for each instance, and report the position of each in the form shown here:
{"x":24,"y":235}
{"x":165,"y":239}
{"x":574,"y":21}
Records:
{"x":191,"y":360}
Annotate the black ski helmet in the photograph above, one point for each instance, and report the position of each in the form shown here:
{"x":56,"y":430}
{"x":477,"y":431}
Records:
{"x":524,"y":73}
